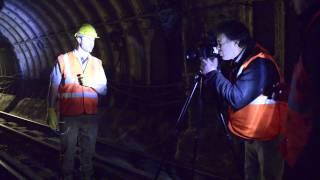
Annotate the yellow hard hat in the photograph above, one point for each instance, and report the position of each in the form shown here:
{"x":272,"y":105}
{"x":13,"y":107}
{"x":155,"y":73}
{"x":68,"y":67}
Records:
{"x":87,"y":30}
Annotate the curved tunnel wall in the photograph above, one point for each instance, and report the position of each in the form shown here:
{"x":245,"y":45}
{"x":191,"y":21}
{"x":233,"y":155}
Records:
{"x":134,"y":33}
{"x":140,"y":42}
{"x":40,"y":30}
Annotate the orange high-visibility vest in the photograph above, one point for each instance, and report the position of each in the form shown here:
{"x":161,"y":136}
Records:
{"x":262,"y":118}
{"x":75,"y":99}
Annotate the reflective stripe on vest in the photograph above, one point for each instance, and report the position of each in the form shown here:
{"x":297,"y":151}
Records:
{"x":262,"y":118}
{"x":75,"y":99}
{"x":78,"y":95}
{"x":263,"y":100}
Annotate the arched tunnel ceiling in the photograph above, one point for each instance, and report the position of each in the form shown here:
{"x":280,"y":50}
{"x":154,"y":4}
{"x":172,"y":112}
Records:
{"x":41,"y":30}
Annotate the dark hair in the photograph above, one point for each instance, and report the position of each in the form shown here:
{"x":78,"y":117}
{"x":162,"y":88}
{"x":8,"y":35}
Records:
{"x":236,"y":31}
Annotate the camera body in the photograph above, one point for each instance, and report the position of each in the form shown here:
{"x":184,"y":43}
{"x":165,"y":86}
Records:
{"x":204,"y":50}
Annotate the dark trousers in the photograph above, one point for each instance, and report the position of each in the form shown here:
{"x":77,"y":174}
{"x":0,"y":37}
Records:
{"x":81,"y":131}
{"x":263,"y":160}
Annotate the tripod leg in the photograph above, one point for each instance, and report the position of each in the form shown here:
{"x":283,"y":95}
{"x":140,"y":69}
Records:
{"x":160,"y":167}
{"x":234,"y":145}
{"x":194,"y":156}
{"x":181,"y":115}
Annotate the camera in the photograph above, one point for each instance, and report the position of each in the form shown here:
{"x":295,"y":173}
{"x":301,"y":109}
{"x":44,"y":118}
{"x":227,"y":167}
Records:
{"x":205,"y":49}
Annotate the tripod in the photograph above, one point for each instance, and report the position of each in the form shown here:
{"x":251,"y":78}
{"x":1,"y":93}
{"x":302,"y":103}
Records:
{"x":198,"y":81}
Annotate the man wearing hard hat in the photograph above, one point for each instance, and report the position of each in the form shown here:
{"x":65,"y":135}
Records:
{"x":75,"y":82}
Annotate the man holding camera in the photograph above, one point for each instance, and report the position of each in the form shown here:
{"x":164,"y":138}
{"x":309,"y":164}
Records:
{"x":75,"y":82}
{"x":254,"y":113}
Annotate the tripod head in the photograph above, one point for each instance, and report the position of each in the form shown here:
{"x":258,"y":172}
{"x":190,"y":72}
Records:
{"x":198,"y":76}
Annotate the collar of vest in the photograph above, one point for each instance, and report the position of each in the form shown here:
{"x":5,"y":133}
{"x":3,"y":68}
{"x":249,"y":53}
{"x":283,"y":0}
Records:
{"x":77,"y":55}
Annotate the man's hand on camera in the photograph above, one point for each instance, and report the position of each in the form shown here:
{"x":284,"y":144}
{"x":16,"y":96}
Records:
{"x":208,"y":65}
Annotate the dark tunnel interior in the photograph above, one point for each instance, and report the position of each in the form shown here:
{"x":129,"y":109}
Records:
{"x":142,"y":46}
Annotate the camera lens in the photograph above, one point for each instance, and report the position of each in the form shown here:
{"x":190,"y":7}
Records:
{"x":201,"y":52}
{"x":191,"y":55}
